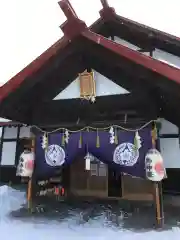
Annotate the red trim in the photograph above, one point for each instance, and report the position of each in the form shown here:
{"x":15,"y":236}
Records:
{"x":67,"y":8}
{"x":107,"y":13}
{"x":134,"y":56}
{"x":10,"y":124}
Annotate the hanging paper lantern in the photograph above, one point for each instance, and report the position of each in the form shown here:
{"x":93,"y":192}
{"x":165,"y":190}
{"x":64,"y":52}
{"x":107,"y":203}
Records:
{"x":26,"y":164}
{"x":97,"y":140}
{"x":155,"y":170}
{"x":63,"y":140}
{"x":116,"y":138}
{"x":87,"y":86}
{"x":80,"y":141}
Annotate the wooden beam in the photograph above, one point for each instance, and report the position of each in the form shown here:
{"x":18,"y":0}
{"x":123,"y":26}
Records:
{"x":133,"y":122}
{"x":107,"y":107}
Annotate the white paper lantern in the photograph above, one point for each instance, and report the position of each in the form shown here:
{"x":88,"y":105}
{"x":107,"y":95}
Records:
{"x":26,"y":164}
{"x":155,"y":170}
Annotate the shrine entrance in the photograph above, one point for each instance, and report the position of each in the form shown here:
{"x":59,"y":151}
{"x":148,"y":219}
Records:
{"x":92,"y":183}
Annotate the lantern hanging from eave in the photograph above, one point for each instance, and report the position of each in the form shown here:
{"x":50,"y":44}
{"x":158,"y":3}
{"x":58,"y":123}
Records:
{"x":154,"y":165}
{"x":26,"y":164}
{"x":87,"y":86}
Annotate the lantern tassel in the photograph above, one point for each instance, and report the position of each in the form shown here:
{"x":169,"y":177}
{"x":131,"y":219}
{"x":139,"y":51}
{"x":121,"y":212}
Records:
{"x":116,"y":137}
{"x":80,"y":141}
{"x":63,"y":140}
{"x":97,"y":140}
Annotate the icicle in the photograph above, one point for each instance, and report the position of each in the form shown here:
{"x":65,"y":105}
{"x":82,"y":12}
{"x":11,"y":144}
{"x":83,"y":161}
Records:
{"x":80,"y":140}
{"x":97,"y":140}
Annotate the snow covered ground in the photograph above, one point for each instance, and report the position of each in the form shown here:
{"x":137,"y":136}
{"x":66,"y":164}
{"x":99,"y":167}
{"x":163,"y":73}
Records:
{"x":70,"y":227}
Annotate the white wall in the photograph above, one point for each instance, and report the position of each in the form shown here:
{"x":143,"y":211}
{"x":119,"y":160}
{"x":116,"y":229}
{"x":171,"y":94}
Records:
{"x":170,"y":147}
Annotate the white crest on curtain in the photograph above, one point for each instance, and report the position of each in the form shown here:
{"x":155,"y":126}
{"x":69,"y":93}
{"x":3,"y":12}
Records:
{"x":55,"y":155}
{"x":126,"y":154}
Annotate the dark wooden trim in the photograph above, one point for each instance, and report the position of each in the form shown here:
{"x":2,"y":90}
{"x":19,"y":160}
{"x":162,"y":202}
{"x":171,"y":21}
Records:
{"x":8,"y":166}
{"x":107,"y":107}
{"x":10,"y":140}
{"x":1,"y":144}
{"x":169,"y":135}
{"x":18,"y":139}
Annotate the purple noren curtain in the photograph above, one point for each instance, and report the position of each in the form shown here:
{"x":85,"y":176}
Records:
{"x":122,"y":157}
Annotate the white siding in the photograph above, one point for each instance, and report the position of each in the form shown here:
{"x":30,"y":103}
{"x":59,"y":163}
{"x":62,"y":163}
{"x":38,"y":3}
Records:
{"x":167,"y":58}
{"x":168,"y":128}
{"x":8,"y":153}
{"x":125,"y":43}
{"x":170,"y":150}
{"x":25,"y":132}
{"x":10,"y":132}
{"x":170,"y":147}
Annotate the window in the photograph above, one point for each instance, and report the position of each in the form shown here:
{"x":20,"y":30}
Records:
{"x":98,"y":169}
{"x":8,"y":153}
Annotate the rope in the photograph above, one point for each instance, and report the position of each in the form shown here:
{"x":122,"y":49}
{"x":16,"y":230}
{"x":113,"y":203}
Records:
{"x":96,"y":129}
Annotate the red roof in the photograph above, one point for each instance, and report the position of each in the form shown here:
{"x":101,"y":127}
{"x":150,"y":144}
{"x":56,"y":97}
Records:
{"x":106,"y":13}
{"x":75,"y":29}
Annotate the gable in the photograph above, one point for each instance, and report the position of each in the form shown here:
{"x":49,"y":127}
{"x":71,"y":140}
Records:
{"x":104,"y":87}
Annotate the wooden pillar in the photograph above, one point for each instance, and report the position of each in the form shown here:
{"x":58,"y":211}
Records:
{"x":29,"y":194}
{"x":158,"y":197}
{"x":30,"y":182}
